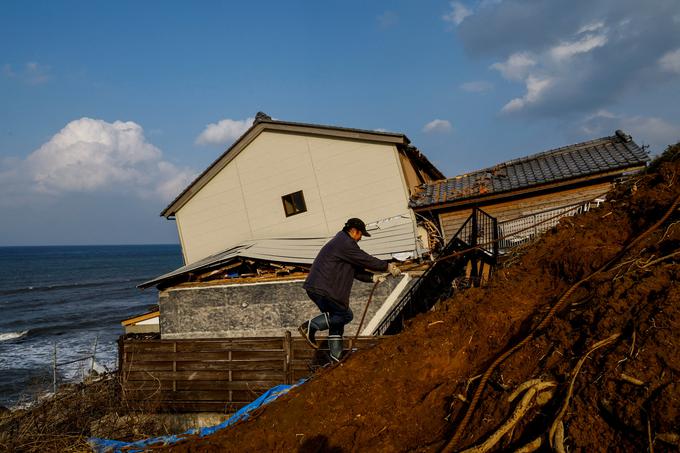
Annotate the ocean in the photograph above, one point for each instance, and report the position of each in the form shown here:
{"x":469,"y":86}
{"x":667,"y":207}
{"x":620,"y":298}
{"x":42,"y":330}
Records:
{"x":71,"y":297}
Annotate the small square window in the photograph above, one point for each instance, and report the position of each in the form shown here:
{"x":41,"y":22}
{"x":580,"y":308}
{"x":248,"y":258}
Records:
{"x":294,"y":203}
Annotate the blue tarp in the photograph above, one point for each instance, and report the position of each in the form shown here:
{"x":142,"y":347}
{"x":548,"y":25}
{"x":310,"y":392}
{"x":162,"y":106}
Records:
{"x":115,"y":446}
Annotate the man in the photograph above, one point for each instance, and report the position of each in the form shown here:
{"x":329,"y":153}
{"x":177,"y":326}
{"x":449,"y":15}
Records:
{"x":330,"y":281}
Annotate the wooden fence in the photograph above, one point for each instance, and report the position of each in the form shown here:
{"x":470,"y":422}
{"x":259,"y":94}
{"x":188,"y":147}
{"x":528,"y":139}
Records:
{"x":216,"y":375}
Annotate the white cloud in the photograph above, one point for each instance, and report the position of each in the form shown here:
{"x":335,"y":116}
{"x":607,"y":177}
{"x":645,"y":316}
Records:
{"x":597,"y":54}
{"x":546,"y":72}
{"x":477,"y":86}
{"x":602,"y":113}
{"x":568,"y":49}
{"x":437,"y":126}
{"x":535,"y":89}
{"x":517,"y":66}
{"x":654,"y":131}
{"x":90,"y":155}
{"x":670,"y":61}
{"x":223,"y":132}
{"x":32,"y":73}
{"x":170,"y":181}
{"x":591,"y":27}
{"x":457,"y":14}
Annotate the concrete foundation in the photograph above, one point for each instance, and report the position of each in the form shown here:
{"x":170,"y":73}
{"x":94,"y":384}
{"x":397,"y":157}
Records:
{"x":254,"y":310}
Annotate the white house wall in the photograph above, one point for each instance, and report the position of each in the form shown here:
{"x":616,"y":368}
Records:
{"x":213,"y":216}
{"x":358,"y":179}
{"x":339,"y":179}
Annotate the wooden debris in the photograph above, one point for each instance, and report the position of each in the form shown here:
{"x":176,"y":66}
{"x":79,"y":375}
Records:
{"x":669,"y":438}
{"x":631,"y":379}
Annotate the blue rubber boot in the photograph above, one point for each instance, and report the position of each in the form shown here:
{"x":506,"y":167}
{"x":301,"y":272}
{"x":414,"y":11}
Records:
{"x":335,"y":346}
{"x":308,"y":329}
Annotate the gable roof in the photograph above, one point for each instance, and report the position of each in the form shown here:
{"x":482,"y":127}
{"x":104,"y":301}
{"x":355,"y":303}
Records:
{"x":264,"y":122}
{"x":389,"y":237}
{"x":601,"y":157}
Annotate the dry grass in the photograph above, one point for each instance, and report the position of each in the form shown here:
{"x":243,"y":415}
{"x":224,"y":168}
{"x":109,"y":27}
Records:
{"x":65,"y":421}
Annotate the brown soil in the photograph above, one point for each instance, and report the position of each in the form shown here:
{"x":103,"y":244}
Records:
{"x":407,"y":393}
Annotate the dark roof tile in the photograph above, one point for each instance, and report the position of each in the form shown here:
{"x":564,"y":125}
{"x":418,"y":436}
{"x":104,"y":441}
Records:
{"x":605,"y":154}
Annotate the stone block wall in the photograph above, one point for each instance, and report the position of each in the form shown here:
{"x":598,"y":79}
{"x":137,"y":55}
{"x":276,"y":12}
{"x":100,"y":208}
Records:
{"x":254,"y":310}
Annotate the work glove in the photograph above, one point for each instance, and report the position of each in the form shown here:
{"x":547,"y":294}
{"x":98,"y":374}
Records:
{"x":393,"y":269}
{"x":379,"y":278}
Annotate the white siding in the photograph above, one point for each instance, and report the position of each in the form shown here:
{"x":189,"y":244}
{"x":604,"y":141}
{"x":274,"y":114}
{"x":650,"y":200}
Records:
{"x":272,"y":166}
{"x":213,"y":216}
{"x":339,"y":179}
{"x":358,"y":180}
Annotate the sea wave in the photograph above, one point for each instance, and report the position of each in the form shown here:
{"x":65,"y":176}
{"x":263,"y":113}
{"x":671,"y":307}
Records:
{"x":131,"y":283}
{"x":6,"y":336}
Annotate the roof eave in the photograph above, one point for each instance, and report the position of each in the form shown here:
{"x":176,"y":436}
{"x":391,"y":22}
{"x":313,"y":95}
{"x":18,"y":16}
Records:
{"x":190,"y":190}
{"x":140,"y":318}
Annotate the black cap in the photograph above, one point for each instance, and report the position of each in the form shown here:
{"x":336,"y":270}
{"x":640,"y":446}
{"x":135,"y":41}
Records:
{"x":358,"y":224}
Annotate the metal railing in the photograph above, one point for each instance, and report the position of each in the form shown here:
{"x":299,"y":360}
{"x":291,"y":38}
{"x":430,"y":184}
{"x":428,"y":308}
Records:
{"x":522,"y":229}
{"x":56,"y":364}
{"x":479,"y":229}
{"x":488,"y":238}
{"x":437,"y":282}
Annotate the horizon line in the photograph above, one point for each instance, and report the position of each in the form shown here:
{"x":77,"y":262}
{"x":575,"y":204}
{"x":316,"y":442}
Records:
{"x":87,"y":245}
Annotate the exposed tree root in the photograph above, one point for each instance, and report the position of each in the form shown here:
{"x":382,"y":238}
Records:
{"x":557,"y":424}
{"x":530,"y":399}
{"x":531,"y":446}
{"x":451,"y":445}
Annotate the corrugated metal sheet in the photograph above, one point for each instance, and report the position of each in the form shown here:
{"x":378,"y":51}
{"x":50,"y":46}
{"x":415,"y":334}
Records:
{"x":391,"y":236}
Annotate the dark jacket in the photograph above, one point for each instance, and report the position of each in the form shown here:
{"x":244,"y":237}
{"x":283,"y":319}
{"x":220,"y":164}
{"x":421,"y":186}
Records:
{"x":337,"y":264}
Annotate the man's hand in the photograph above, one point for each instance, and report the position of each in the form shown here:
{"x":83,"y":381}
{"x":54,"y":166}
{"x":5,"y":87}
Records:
{"x":379,"y":278}
{"x":393,"y":269}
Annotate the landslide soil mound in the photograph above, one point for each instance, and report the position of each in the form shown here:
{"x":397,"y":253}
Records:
{"x":411,"y":392}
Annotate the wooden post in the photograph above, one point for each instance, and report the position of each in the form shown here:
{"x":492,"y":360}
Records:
{"x":495,"y":241}
{"x":174,"y":366}
{"x":287,"y":348}
{"x":54,"y":369}
{"x":535,"y":219}
{"x":231,"y":375}
{"x":94,"y":352}
{"x":121,"y":361}
{"x":474,"y":274}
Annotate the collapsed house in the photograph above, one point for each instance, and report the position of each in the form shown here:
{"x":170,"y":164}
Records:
{"x":528,"y":195}
{"x":252,"y":223}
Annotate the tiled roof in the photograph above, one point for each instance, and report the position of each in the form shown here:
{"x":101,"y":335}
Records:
{"x":604,"y":155}
{"x":389,"y":237}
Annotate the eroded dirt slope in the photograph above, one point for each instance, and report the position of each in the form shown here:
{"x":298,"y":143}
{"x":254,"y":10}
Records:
{"x":411,"y":392}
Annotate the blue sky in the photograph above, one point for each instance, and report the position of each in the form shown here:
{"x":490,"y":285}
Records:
{"x":108,"y":109}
